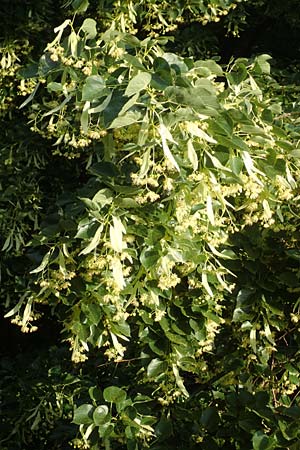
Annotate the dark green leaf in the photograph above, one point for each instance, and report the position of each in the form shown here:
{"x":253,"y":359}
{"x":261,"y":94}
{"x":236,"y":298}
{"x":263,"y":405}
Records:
{"x":164,"y":428}
{"x":149,"y":257}
{"x":95,"y":393}
{"x":263,"y":442}
{"x":210,"y":418}
{"x":80,"y":5}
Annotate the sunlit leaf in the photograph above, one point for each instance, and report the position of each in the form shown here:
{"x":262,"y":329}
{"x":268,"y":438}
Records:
{"x":165,"y":134}
{"x":114,"y":394}
{"x":138,"y":83}
{"x":94,"y":242}
{"x":93,"y":87}
{"x":116,"y":232}
{"x":83,"y":414}
{"x":89,"y":27}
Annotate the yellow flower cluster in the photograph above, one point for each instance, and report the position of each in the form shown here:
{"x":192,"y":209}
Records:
{"x":80,"y":444}
{"x":57,"y":53}
{"x":26,"y":86}
{"x":212,"y":328}
{"x":148,"y":196}
{"x":251,"y":187}
{"x":167,"y":281}
{"x":116,"y":353}
{"x":57,"y":281}
{"x":149,"y":299}
{"x":147,"y":181}
{"x":170,"y":396}
{"x":284,"y":191}
{"x":78,"y":351}
{"x":94,"y":266}
{"x":28,"y":327}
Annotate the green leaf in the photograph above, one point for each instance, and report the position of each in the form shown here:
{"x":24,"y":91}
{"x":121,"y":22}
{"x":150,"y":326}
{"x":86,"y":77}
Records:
{"x":138,"y":83}
{"x":93,"y":88}
{"x":210,"y":418}
{"x":93,"y":311}
{"x":238,"y":75}
{"x":83,"y":414}
{"x":156,"y":367}
{"x":263,"y":442}
{"x":114,"y":394}
{"x":295,"y":153}
{"x":179,"y":381}
{"x":44,"y":262}
{"x":194,"y":130}
{"x":58,"y":107}
{"x":54,"y":87}
{"x":131,"y":102}
{"x":149,"y":257}
{"x":86,"y":229}
{"x":253,"y":340}
{"x":84,"y":119}
{"x":240,"y":315}
{"x":261,"y":63}
{"x":128,"y":119}
{"x":101,"y":415}
{"x":116,"y":231}
{"x":175,"y":61}
{"x":236,"y":165}
{"x":209,"y":65}
{"x":94,"y":242}
{"x":164,"y":428}
{"x":166,"y":135}
{"x":95,"y":394}
{"x":201,"y":98}
{"x":121,"y":329}
{"x":16,"y":308}
{"x":105,"y":430}
{"x":31,"y":96}
{"x":80,"y":5}
{"x":73,"y":41}
{"x":103,"y":105}
{"x":210,"y":210}
{"x":89,"y":27}
{"x":133,"y":61}
{"x":103,"y":197}
{"x":105,"y":169}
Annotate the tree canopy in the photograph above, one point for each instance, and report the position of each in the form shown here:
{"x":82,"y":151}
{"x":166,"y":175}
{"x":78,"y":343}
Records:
{"x":150,"y":225}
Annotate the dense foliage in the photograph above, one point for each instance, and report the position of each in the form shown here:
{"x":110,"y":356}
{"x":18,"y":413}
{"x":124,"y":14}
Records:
{"x":150,"y":224}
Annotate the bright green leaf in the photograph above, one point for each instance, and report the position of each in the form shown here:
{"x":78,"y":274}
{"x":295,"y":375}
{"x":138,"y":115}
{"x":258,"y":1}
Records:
{"x":93,"y":88}
{"x":156,"y":367}
{"x":101,"y":415}
{"x":114,"y":394}
{"x":138,"y":83}
{"x":83,"y":414}
{"x":89,"y":27}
